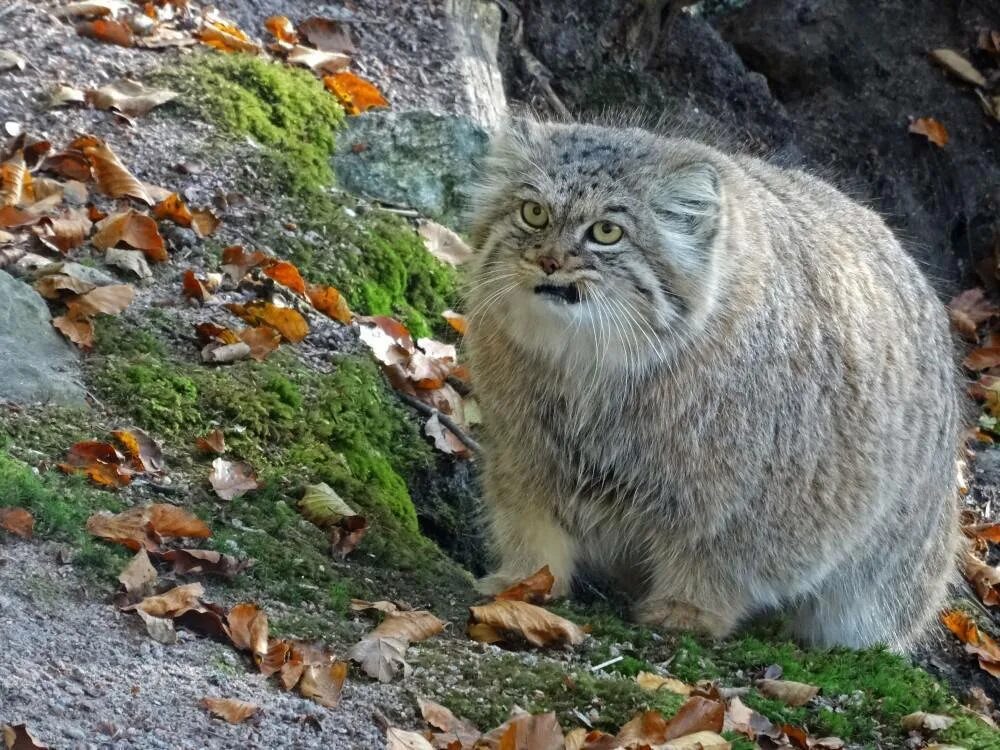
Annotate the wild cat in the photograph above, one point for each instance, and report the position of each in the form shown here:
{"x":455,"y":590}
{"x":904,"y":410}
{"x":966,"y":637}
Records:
{"x":719,"y":381}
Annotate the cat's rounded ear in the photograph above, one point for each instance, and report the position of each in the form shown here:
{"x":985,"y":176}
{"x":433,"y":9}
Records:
{"x":688,"y":201}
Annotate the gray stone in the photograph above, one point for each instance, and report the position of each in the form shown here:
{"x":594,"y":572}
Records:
{"x":36,"y":364}
{"x":416,"y":159}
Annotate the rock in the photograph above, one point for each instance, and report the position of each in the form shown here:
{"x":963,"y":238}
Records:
{"x":37,"y":365}
{"x":416,"y":159}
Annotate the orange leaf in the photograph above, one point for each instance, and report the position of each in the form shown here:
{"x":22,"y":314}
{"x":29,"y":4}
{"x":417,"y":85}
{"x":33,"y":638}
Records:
{"x":71,"y":165}
{"x":204,"y":222}
{"x":174,"y":208}
{"x":194,"y":288}
{"x":145,"y":527}
{"x":979,"y":644}
{"x":112,"y":176}
{"x":330,"y":302}
{"x":275,"y":658}
{"x":213,"y":442}
{"x":225,"y":38}
{"x":237,"y":262}
{"x":281,"y":28}
{"x":983,"y":358}
{"x":65,"y":232}
{"x":135,"y":230}
{"x":536,"y":588}
{"x":232,"y":710}
{"x":246,"y":624}
{"x":286,"y":321}
{"x":79,"y":330}
{"x":13,"y":179}
{"x":144,"y":452}
{"x":12,"y":218}
{"x":932,"y":129}
{"x":287,"y":274}
{"x":456,"y":321}
{"x":323,"y":682}
{"x":103,"y":300}
{"x":210,"y":332}
{"x":509,"y":620}
{"x":107,"y":30}
{"x":262,"y":340}
{"x":356,"y":95}
{"x":17,"y":521}
{"x":100,"y":461}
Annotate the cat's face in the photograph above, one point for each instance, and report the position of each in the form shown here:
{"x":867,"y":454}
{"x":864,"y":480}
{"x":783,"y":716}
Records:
{"x":592,"y":242}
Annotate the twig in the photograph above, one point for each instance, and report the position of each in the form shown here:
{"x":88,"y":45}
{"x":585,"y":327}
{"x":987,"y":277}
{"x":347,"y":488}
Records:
{"x":532,"y":65}
{"x":444,"y":419}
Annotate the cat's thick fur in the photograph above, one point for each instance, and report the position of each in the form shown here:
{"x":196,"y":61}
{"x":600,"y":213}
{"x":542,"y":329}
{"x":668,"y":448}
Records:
{"x":752,"y":405}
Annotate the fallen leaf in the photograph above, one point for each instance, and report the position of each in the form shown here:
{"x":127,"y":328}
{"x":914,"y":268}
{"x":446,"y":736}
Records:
{"x":101,"y":462}
{"x":194,"y":288}
{"x":456,"y":321}
{"x":988,"y":532}
{"x":318,"y":60}
{"x":985,"y":579}
{"x":507,"y":621}
{"x":525,"y":731}
{"x":12,"y":217}
{"x":444,"y":244}
{"x":388,"y":339}
{"x":698,"y":741}
{"x":444,"y":439}
{"x":247,"y":627}
{"x":232,"y":479}
{"x":930,"y":128}
{"x":145,"y":452}
{"x":17,"y":521}
{"x":138,"y":576}
{"x":330,"y":302}
{"x":225,"y":37}
{"x":976,"y":643}
{"x":107,"y":30}
{"x":187,"y":561}
{"x":982,"y":358}
{"x":79,"y":330}
{"x":130,"y":97}
{"x":232,"y":710}
{"x":958,"y":66}
{"x":262,"y":340}
{"x":112,"y":176}
{"x":104,"y":300}
{"x":213,"y":442}
{"x":10,"y":60}
{"x":17,"y":737}
{"x":925,"y":722}
{"x":237,"y":262}
{"x":654,"y":682}
{"x":788,"y":691}
{"x":204,"y":222}
{"x":66,"y":232}
{"x":72,"y":165}
{"x":281,"y":28}
{"x":323,"y":683}
{"x":53,"y":285}
{"x":449,"y":726}
{"x":13,"y":179}
{"x":285,"y":320}
{"x":381,"y":652}
{"x":287,"y":274}
{"x":147,"y":526}
{"x":536,"y":588}
{"x":135,"y":230}
{"x":400,"y":739}
{"x":697,"y":714}
{"x":133,"y":261}
{"x":173,"y":603}
{"x":356,"y":95}
{"x":173,"y":208}
{"x":327,"y":35}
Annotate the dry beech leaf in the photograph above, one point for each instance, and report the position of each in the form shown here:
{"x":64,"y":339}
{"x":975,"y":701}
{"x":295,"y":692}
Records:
{"x":225,"y":37}
{"x":345,"y":529}
{"x":173,"y":208}
{"x":100,"y":461}
{"x":143,"y":450}
{"x":536,"y":588}
{"x":104,"y":300}
{"x":173,"y":603}
{"x":79,"y":330}
{"x":788,"y":691}
{"x":697,"y":714}
{"x":985,"y":579}
{"x":17,"y":737}
{"x":247,"y":627}
{"x":135,"y":230}
{"x":53,"y":285}
{"x":654,"y":682}
{"x":12,"y":217}
{"x":457,"y":321}
{"x":231,"y":479}
{"x":13,"y":178}
{"x":979,"y":644}
{"x":262,"y":340}
{"x":318,"y":60}
{"x":66,"y":232}
{"x":444,"y":439}
{"x":281,"y":28}
{"x":930,"y":128}
{"x":130,"y":97}
{"x":194,"y":288}
{"x":444,"y":244}
{"x":381,"y":652}
{"x":285,"y":320}
{"x":213,"y":442}
{"x":969,"y":310}
{"x":237,"y":262}
{"x":198,"y":561}
{"x":401,"y":739}
{"x":147,"y":526}
{"x":138,"y":576}
{"x":327,"y":35}
{"x":323,"y":683}
{"x":988,"y":532}
{"x":920,"y":721}
{"x":112,"y":176}
{"x":449,"y":726}
{"x":529,"y":731}
{"x":71,"y":165}
{"x":17,"y":521}
{"x":204,"y":222}
{"x":133,"y":261}
{"x":507,"y":621}
{"x":700,"y":741}
{"x":232,"y":710}
{"x":982,"y":358}
{"x":107,"y":30}
{"x":958,"y":66}
{"x":287,"y":274}
{"x":388,"y":339}
{"x":355,"y":94}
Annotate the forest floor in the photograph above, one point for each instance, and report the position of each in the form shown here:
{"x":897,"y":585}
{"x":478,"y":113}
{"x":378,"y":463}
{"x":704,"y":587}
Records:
{"x":248,"y":141}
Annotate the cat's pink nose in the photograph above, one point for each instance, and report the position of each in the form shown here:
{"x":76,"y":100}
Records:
{"x":549,"y":264}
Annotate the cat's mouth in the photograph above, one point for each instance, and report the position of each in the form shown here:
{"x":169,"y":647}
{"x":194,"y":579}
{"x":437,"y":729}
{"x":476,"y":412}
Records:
{"x":568,"y":293}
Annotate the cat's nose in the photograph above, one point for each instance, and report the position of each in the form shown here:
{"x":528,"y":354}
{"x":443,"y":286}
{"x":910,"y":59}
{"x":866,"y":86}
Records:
{"x":549,"y":264}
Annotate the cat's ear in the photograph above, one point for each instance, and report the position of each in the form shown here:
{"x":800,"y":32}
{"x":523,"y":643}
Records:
{"x":688,"y":202}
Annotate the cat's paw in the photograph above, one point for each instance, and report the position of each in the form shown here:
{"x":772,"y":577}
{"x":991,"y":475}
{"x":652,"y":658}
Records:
{"x":676,"y":615}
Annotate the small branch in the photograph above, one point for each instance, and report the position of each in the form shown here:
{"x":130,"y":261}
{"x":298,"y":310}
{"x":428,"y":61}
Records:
{"x":531,"y":64}
{"x":444,"y":419}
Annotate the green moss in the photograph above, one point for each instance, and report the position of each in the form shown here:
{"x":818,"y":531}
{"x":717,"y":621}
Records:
{"x":283,"y":108}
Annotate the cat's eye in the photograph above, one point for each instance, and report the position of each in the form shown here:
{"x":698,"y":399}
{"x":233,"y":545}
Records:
{"x":606,"y":232}
{"x":534,"y":214}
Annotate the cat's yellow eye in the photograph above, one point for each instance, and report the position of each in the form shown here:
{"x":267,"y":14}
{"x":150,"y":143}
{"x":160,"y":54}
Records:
{"x":606,"y":232}
{"x":534,"y":214}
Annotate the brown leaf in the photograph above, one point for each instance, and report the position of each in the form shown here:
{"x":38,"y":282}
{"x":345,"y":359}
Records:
{"x":232,"y":710}
{"x":985,"y":579}
{"x":237,"y":262}
{"x":14,"y":218}
{"x":356,"y":95}
{"x":112,"y":176}
{"x":988,"y":532}
{"x":79,"y":330}
{"x":194,"y":288}
{"x":13,"y":179}
{"x":231,"y":479}
{"x":327,"y":35}
{"x":104,"y":300}
{"x":129,"y":97}
{"x":213,"y":442}
{"x":381,"y":652}
{"x":70,"y":164}
{"x":654,"y":682}
{"x":285,"y":320}
{"x":536,"y":588}
{"x":17,"y":521}
{"x":698,"y":741}
{"x":323,"y":683}
{"x":66,"y":232}
{"x":976,"y":643}
{"x":788,"y":691}
{"x":204,"y":222}
{"x":287,"y":274}
{"x":139,"y":576}
{"x":107,"y":30}
{"x":697,"y":714}
{"x":246,"y":625}
{"x":388,"y":339}
{"x":451,"y":728}
{"x":401,"y":739}
{"x":100,"y":461}
{"x":262,"y":340}
{"x":958,"y":66}
{"x":921,"y":721}
{"x":456,"y":321}
{"x":187,"y":561}
{"x":52,"y":286}
{"x":146,"y":527}
{"x":526,"y":732}
{"x":173,"y":208}
{"x":133,"y":229}
{"x":982,"y":358}
{"x":281,"y":28}
{"x":173,"y":603}
{"x":17,"y":737}
{"x":330,"y":302}
{"x":277,"y":654}
{"x":146,"y":454}
{"x":930,"y":128}
{"x":225,"y":37}
{"x":210,"y":332}
{"x":507,"y":621}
